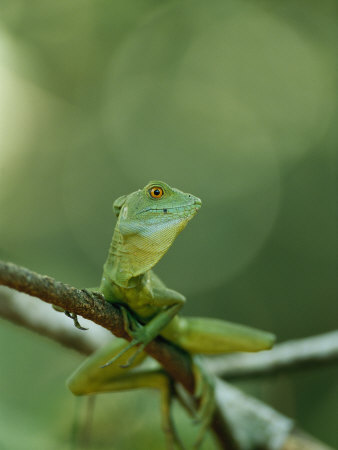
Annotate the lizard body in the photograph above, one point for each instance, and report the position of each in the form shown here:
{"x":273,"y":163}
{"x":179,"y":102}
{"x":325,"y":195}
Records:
{"x":148,"y":221}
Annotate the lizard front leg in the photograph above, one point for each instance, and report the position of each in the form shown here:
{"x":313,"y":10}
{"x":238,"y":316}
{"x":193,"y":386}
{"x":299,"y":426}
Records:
{"x":169,"y":303}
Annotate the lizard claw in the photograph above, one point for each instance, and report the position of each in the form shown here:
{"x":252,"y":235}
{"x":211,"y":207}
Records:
{"x":133,"y":357}
{"x":116,"y":357}
{"x":131,"y":360}
{"x":140,"y":339}
{"x":73,"y":316}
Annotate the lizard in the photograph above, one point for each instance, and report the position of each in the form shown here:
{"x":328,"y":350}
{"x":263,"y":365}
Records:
{"x":148,"y":222}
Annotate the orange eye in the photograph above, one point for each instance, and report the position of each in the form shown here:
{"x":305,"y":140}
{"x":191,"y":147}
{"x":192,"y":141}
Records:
{"x":156,"y":192}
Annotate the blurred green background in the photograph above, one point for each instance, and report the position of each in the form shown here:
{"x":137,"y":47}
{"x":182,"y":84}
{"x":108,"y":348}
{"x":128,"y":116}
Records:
{"x":233,"y":101}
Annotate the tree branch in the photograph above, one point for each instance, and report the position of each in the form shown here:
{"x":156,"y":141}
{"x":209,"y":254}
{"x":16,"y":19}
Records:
{"x":240,"y":421}
{"x":258,"y":426}
{"x":29,"y":312}
{"x":94,"y":307}
{"x":290,"y":355}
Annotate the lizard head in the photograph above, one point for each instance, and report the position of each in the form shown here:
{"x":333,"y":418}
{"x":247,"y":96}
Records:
{"x":149,"y":220}
{"x":155,"y":205}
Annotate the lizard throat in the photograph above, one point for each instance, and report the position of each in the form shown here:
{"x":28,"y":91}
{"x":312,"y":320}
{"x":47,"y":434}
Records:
{"x":134,"y":254}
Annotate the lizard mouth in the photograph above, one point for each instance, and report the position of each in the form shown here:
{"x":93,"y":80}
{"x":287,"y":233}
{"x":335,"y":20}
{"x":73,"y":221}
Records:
{"x":187,"y":207}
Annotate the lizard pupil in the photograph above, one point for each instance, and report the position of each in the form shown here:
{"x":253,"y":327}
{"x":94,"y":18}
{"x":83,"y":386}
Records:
{"x":157,"y":192}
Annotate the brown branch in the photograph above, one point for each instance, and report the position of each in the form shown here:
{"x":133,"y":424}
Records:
{"x":94,"y":307}
{"x":253,"y":423}
{"x":14,"y":307}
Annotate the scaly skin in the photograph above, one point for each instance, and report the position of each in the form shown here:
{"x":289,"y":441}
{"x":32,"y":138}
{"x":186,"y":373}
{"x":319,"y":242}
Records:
{"x":145,"y":229}
{"x":148,"y":222}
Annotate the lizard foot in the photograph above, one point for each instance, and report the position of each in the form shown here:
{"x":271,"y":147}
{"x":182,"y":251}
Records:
{"x":72,"y":316}
{"x":130,"y":361}
{"x":139,"y":335}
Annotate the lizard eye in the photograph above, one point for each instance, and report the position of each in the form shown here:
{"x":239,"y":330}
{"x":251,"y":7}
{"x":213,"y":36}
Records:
{"x":156,"y":192}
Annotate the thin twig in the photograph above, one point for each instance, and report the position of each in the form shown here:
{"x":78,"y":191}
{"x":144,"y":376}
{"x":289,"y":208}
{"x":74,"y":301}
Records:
{"x":290,"y":355}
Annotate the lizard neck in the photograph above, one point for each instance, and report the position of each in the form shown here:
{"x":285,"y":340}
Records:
{"x":118,"y":267}
{"x":131,"y":255}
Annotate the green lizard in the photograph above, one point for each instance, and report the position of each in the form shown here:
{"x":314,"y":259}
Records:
{"x":148,"y":222}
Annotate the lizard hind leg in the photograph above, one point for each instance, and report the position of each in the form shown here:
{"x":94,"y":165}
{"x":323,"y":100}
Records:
{"x":91,"y":378}
{"x":167,"y":394}
{"x":205,"y":396}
